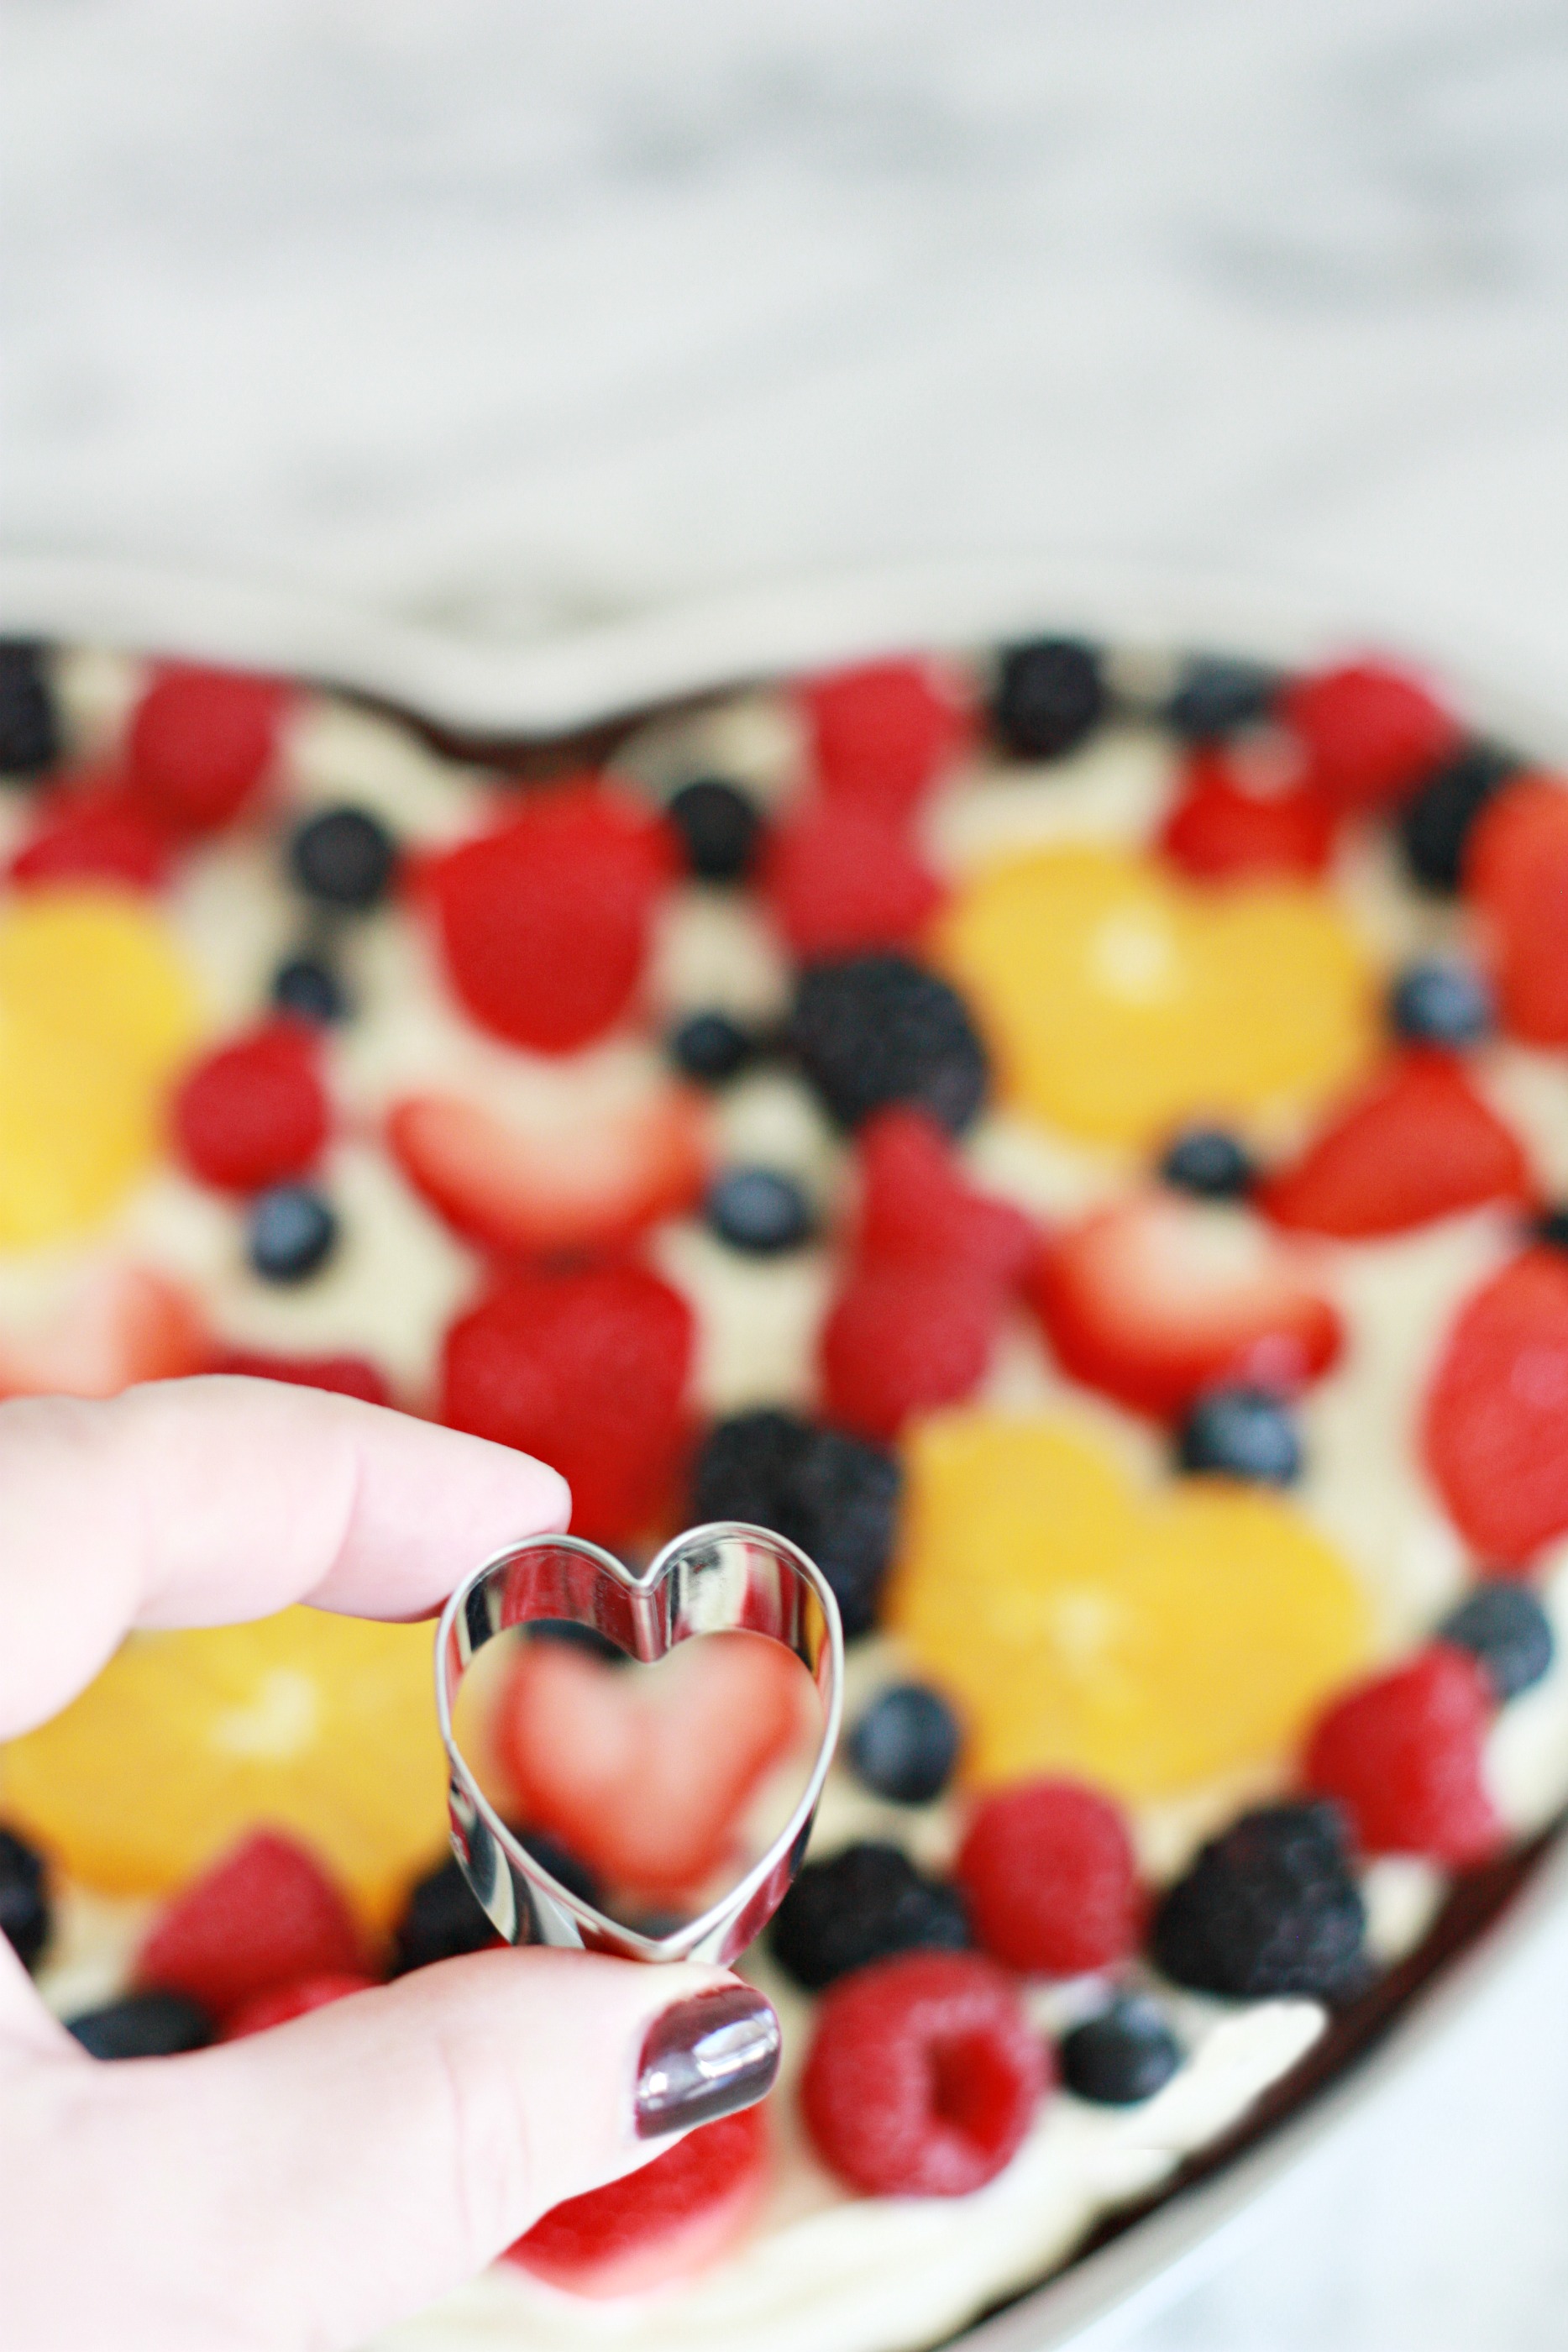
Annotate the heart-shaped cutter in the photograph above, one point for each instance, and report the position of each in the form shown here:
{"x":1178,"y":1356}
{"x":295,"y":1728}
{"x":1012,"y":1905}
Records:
{"x":726,"y":1577}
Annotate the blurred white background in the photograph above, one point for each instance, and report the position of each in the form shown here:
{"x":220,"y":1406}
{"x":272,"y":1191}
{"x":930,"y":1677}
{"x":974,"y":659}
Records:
{"x":516,"y":314}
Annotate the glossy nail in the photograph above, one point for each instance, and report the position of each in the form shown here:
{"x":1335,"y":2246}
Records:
{"x":705,"y":2058}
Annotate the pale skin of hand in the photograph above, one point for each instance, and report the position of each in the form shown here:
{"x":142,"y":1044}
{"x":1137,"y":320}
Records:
{"x":301,"y":2188}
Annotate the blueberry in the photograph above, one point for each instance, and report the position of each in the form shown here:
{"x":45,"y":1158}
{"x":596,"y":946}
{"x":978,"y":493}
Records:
{"x":1126,"y":2054}
{"x":1504,"y":1624}
{"x":441,"y":1919}
{"x":562,"y":1864}
{"x":719,"y":826}
{"x":310,"y":990}
{"x":29,"y":740}
{"x":1048,"y":696}
{"x":344,"y":857}
{"x":1209,"y":1161}
{"x":1441,"y":1005}
{"x":866,"y":1904}
{"x":24,"y":1898}
{"x":710,"y":1047}
{"x":835,"y":1495}
{"x":292,"y":1232}
{"x":1214,"y":697}
{"x":1244,"y":1433}
{"x":1269,"y":1907}
{"x":906,"y":1744}
{"x":760,"y":1210}
{"x":1434,"y":826}
{"x":877,"y":1029}
{"x":143,"y":2025}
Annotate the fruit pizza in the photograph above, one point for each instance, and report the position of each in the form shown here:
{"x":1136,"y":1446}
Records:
{"x":1074,"y":1137}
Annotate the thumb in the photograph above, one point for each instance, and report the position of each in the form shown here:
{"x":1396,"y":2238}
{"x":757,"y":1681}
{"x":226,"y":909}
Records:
{"x":310,"y":2183}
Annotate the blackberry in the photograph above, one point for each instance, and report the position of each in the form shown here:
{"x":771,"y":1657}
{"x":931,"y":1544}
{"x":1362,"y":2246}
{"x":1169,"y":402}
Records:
{"x":906,"y":1744}
{"x":1214,"y":697}
{"x":310,"y":990}
{"x":143,"y":2025}
{"x":441,"y":1919}
{"x":344,"y":857}
{"x":760,"y":1210}
{"x":1434,"y":826}
{"x":710,"y":1047}
{"x":29,"y":739}
{"x":1209,"y":1161}
{"x":1126,"y":2054}
{"x":833,"y":1495}
{"x":1504,"y":1625}
{"x":1551,"y":1229}
{"x":1241,"y":1433}
{"x":573,"y":1636}
{"x":877,"y":1029}
{"x":561,"y":1862}
{"x":866,"y":1904}
{"x":1048,"y":696}
{"x":292,"y":1232}
{"x":1441,"y":1005}
{"x":719,"y":827}
{"x":1270,"y":1906}
{"x":24,"y":1898}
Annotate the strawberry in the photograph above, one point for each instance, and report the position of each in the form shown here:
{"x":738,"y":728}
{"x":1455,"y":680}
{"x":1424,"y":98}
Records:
{"x":93,"y":831}
{"x":263,"y":1916}
{"x":254,"y":1111}
{"x":602,"y":1760}
{"x":545,"y":922}
{"x":1403,"y":1755}
{"x":126,"y":1325}
{"x":1497,"y":1413}
{"x":1516,"y":871}
{"x":1418,"y":1143}
{"x":1158,"y":1296}
{"x":594,"y":1185}
{"x":916,"y":1203}
{"x":901,"y":1338}
{"x":884,"y":733}
{"x":1220,"y":830}
{"x":353,"y":1376}
{"x":1372,"y":733}
{"x":276,"y":2008}
{"x":200,"y":742}
{"x":843,"y":879}
{"x":667,"y":2221}
{"x":586,"y":1368}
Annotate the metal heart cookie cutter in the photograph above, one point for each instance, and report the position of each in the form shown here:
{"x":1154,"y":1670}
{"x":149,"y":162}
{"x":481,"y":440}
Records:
{"x":724,"y":1578}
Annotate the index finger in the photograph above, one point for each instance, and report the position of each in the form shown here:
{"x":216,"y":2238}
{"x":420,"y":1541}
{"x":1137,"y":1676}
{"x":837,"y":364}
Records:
{"x":206,"y":1501}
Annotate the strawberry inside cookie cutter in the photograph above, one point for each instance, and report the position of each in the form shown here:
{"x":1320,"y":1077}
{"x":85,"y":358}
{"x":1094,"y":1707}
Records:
{"x":724,"y":1578}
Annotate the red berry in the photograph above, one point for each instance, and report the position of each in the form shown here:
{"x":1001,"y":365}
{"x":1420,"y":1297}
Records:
{"x":666,"y":2221}
{"x":588,"y":1369}
{"x":545,"y":922}
{"x":1418,"y":1143}
{"x":353,"y":1376}
{"x":1497,"y":1415}
{"x":884,"y":733}
{"x":1516,"y":869}
{"x":1218,"y":830}
{"x":93,"y":833}
{"x":1048,"y":1871}
{"x":844,"y":879}
{"x":917,"y":1205}
{"x":903,"y":1337}
{"x":276,"y":2008}
{"x":1403,"y":1754}
{"x":1373,"y":732}
{"x":253,"y":1112}
{"x":924,"y":2075}
{"x":201,"y":741}
{"x":266,"y":1914}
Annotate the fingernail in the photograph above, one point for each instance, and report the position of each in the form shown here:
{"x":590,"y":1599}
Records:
{"x":705,"y":2058}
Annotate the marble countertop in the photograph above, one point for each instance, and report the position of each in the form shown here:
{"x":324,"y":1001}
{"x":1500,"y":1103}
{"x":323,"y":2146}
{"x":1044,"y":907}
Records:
{"x":514,"y":316}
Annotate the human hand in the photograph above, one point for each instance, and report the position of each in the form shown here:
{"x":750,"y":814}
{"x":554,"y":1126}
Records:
{"x":306,"y":2185}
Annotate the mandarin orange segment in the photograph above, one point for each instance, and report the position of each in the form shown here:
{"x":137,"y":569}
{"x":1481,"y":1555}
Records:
{"x":1120,"y":1000}
{"x":319,"y":1725}
{"x":1142,"y":1642}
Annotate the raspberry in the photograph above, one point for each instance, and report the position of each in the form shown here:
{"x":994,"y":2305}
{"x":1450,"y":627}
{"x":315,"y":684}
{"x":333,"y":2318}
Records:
{"x":276,"y":2008}
{"x":916,"y":1204}
{"x":1402,"y":1753}
{"x":545,"y":922}
{"x":94,"y":833}
{"x":924,"y":2075}
{"x":587,"y":1370}
{"x":864,"y":1904}
{"x":903,"y":1338}
{"x":201,"y":740}
{"x":1049,"y":1873}
{"x":1269,"y":1907}
{"x":352,"y":1376}
{"x":1374,"y":734}
{"x":883,"y":733}
{"x":834,"y":1495}
{"x":878,"y":1029}
{"x":842,"y":878}
{"x":669,"y":2218}
{"x":266,"y":1914}
{"x":253,"y":1112}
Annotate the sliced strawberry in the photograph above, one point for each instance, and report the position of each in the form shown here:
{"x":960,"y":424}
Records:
{"x":1373,"y":732}
{"x":269,"y":2009}
{"x":843,"y":879}
{"x":884,"y":733}
{"x":592,"y":1185}
{"x":267,"y":1915}
{"x":201,"y":743}
{"x":93,"y":831}
{"x":1418,"y":1143}
{"x":1222,"y":829}
{"x":1516,"y":869}
{"x":125,"y":1325}
{"x":667,"y":2222}
{"x":1497,"y":1415}
{"x":601,"y":1758}
{"x":916,"y":1202}
{"x":1158,"y":1296}
{"x":353,"y":1376}
{"x":903,"y":1337}
{"x":546,"y":921}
